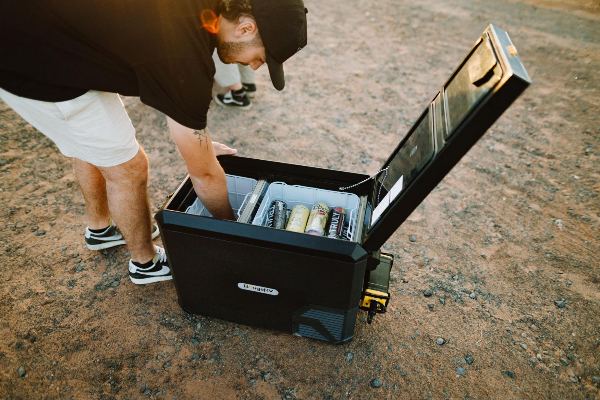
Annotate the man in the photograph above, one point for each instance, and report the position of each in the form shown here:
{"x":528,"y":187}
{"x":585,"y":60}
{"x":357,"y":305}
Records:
{"x":63,"y":64}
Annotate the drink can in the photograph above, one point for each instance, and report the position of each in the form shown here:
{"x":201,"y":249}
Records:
{"x":298,"y":218}
{"x":280,"y":214}
{"x":276,"y":215}
{"x":317,"y":220}
{"x":336,"y":224}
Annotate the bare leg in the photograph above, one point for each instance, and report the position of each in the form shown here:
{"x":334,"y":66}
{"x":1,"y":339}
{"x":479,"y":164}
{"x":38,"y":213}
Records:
{"x":93,"y":187}
{"x":126,"y":188}
{"x":235,"y":86}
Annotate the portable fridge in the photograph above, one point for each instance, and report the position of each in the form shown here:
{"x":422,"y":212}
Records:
{"x":313,"y":286}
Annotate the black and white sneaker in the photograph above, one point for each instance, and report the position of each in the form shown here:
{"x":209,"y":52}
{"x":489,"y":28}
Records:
{"x":250,"y":89}
{"x":109,"y":237}
{"x":233,"y":99}
{"x":156,"y":270}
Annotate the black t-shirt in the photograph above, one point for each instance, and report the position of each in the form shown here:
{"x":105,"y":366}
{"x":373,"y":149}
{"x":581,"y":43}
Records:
{"x":56,"y":50}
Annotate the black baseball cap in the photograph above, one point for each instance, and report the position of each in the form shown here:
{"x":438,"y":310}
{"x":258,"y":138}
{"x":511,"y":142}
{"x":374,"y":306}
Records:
{"x":282,"y":27}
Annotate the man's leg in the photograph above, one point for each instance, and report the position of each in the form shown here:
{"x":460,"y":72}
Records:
{"x":93,"y":187}
{"x":127,"y":195}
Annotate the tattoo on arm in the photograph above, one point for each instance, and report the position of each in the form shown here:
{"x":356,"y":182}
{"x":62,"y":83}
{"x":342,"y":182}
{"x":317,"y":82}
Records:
{"x":202,"y":136}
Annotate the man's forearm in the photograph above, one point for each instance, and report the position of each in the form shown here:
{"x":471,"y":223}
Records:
{"x":208,"y":178}
{"x":212,"y":191}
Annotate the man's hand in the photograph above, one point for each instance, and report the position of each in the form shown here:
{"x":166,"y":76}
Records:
{"x":206,"y":173}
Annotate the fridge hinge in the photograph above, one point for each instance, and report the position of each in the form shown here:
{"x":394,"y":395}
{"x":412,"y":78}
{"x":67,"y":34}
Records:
{"x":376,"y":295}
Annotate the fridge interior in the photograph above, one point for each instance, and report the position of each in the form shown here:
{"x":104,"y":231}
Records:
{"x":243,"y":195}
{"x":238,"y":187}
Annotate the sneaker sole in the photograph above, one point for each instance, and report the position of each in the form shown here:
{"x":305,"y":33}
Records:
{"x":219,"y":102}
{"x":108,"y":245}
{"x":151,"y":279}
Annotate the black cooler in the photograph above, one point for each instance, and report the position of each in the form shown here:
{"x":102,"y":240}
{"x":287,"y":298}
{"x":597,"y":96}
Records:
{"x":313,"y":286}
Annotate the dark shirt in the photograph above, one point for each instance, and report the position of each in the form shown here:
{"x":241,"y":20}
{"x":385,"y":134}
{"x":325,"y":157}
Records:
{"x":56,"y":50}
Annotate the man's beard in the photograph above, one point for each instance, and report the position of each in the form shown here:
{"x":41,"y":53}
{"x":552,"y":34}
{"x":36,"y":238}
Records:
{"x":229,"y":51}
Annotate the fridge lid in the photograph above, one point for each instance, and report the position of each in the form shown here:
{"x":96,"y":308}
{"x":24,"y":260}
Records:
{"x":483,"y":86}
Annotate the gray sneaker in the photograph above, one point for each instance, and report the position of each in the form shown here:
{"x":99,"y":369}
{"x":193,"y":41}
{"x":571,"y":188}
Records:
{"x":110,"y":237}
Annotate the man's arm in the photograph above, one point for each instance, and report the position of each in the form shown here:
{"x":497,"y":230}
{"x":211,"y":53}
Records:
{"x":206,"y":173}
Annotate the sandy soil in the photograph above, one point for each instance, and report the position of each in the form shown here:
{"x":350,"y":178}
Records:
{"x":516,"y":223}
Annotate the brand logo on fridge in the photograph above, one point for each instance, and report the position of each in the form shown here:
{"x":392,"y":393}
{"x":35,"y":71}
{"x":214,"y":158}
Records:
{"x":258,"y":289}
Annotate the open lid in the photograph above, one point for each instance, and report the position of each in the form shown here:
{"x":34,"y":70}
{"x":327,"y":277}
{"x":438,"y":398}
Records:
{"x":486,"y":82}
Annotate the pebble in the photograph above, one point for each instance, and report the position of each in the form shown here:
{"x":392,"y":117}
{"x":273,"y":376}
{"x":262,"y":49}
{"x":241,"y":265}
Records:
{"x":430,"y":307}
{"x":440,"y":341}
{"x":349,"y":356}
{"x":412,"y":238}
{"x":469,"y":359}
{"x":460,"y":371}
{"x":79,"y":267}
{"x":559,"y":223}
{"x":40,"y":232}
{"x":427,"y":292}
{"x":21,"y":371}
{"x":473,"y":295}
{"x":509,"y":374}
{"x":523,"y":346}
{"x":596,"y":380}
{"x":562,"y":303}
{"x":442,"y":300}
{"x":376,"y":383}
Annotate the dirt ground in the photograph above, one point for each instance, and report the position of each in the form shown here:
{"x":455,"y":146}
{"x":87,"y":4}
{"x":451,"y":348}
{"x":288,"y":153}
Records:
{"x":507,"y":244}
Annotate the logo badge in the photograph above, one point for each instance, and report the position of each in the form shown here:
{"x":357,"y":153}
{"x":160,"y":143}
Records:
{"x":257,"y":289}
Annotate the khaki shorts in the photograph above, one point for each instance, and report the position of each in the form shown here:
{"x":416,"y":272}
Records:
{"x":93,"y":127}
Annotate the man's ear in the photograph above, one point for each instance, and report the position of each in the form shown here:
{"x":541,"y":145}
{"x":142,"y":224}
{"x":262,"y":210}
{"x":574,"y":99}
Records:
{"x":246,"y":26}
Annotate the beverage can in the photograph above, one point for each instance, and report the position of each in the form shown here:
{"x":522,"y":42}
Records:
{"x":317,"y":219}
{"x":298,"y":218}
{"x":336,"y":224}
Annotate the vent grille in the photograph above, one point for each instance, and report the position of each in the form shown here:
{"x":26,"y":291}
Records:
{"x":331,"y":324}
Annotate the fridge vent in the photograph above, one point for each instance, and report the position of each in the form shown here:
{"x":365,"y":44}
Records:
{"x":322,"y":325}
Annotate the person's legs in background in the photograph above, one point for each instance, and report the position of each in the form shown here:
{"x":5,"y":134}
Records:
{"x":247,"y":78}
{"x":228,"y":76}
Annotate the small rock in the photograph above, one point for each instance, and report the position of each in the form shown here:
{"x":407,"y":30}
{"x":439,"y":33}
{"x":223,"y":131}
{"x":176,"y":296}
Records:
{"x":376,"y":383}
{"x":523,"y":346}
{"x":460,"y":371}
{"x":427,"y":292}
{"x":412,"y":238}
{"x":559,"y":223}
{"x":442,"y":300}
{"x":79,"y":267}
{"x":40,"y":232}
{"x":430,"y":307}
{"x":574,"y":379}
{"x":533,"y":360}
{"x":509,"y":374}
{"x":596,"y":380}
{"x":349,"y":356}
{"x":562,"y":303}
{"x":440,"y":341}
{"x":538,"y":356}
{"x":469,"y":358}
{"x":564,"y":362}
{"x":21,"y":371}
{"x":473,"y":295}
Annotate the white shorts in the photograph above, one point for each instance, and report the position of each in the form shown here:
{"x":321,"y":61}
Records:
{"x":93,"y":127}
